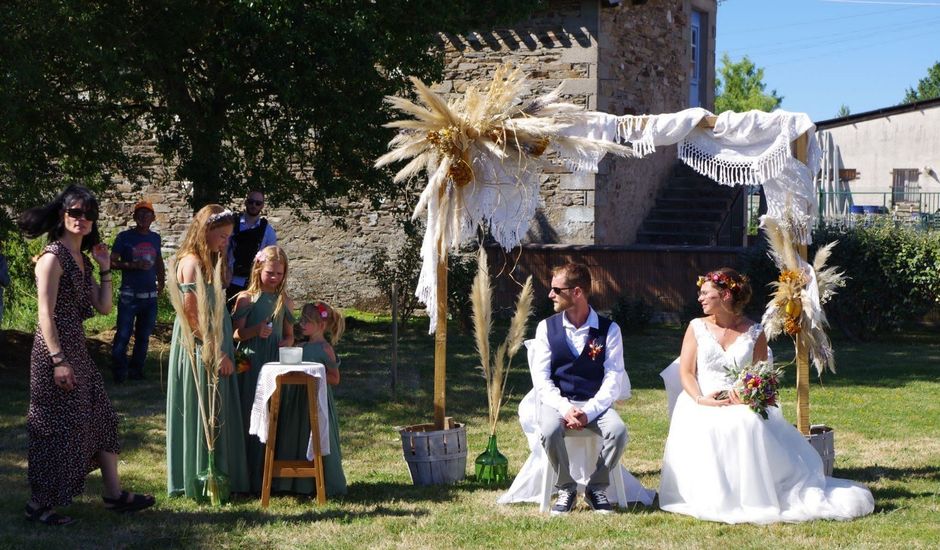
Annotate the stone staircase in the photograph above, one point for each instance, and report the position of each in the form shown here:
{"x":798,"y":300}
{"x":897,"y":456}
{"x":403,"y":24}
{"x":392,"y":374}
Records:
{"x":689,"y":210}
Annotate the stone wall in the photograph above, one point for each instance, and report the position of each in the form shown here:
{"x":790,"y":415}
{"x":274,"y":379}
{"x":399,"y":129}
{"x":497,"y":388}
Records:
{"x":643,"y":68}
{"x":620,"y":59}
{"x":326,"y":262}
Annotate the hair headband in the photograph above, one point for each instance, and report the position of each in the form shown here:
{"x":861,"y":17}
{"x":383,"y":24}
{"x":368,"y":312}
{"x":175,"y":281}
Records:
{"x":722,"y":280}
{"x":214,"y":218}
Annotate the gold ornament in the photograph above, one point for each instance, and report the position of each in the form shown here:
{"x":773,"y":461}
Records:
{"x":793,"y":308}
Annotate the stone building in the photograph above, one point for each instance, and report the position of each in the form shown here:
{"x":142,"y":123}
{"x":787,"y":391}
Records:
{"x":626,"y":57}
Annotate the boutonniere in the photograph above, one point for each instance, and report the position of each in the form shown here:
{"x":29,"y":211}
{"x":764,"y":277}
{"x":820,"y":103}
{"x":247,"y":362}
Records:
{"x":594,"y":348}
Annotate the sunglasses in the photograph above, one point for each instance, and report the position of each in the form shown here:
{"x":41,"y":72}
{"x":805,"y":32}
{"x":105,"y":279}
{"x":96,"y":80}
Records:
{"x":557,"y":290}
{"x":253,"y":202}
{"x":79,"y":213}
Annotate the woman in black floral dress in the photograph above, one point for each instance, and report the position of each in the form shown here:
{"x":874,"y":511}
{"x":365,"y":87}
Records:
{"x":72,"y":425}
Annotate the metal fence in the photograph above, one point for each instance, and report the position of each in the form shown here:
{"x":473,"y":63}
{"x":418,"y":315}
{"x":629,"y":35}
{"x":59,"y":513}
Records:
{"x":921,"y":210}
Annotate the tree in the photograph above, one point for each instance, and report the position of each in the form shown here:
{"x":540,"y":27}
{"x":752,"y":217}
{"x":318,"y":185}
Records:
{"x":927,"y":87}
{"x":283,"y":95}
{"x":843,"y":111}
{"x":740,"y":87}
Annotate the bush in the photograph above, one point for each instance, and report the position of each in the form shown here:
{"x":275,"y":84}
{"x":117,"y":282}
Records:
{"x":461,"y":269}
{"x":631,"y":314}
{"x":19,"y":298}
{"x":892,"y":276}
{"x":21,"y":306}
{"x":404,"y":270}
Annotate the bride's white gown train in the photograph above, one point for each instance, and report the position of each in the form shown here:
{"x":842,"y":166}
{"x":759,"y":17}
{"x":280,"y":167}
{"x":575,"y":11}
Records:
{"x":728,"y":464}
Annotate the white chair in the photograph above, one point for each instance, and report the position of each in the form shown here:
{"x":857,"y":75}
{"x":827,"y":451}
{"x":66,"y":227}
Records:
{"x":536,"y":479}
{"x":583,"y":449}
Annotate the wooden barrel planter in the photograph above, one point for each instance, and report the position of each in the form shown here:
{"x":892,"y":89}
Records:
{"x":821,"y":437}
{"x":435,"y":457}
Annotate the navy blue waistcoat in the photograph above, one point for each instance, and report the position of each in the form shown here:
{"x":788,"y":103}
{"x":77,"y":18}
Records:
{"x":579,"y":377}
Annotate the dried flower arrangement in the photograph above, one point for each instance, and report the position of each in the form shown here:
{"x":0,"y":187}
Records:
{"x":495,"y":367}
{"x":799,"y":293}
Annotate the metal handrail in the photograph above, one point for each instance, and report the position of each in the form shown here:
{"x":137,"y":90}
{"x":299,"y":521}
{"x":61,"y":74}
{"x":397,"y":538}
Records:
{"x":737,"y":204}
{"x":928,"y":202}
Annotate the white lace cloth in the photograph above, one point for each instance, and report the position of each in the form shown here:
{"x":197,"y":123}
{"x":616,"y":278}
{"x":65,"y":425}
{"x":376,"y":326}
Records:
{"x":267,"y":383}
{"x":751,"y":148}
{"x":527,"y":485}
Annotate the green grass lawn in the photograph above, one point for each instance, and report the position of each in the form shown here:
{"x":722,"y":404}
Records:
{"x":884,"y":405}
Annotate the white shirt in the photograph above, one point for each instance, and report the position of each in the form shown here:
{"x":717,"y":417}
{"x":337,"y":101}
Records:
{"x":615,"y":385}
{"x":268,"y":239}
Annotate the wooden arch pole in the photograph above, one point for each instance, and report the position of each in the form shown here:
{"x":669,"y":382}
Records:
{"x":801,"y":146}
{"x":440,"y":344}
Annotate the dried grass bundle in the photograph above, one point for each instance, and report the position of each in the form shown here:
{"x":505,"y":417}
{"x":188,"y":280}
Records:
{"x":799,"y":293}
{"x":496,"y":368}
{"x":448,"y":140}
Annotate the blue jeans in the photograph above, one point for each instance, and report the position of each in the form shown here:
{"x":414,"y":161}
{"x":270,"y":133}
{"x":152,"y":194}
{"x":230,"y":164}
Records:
{"x":137,"y":315}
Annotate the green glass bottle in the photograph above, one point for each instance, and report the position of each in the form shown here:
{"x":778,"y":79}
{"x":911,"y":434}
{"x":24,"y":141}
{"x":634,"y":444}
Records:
{"x":213,"y":484}
{"x":492,"y":466}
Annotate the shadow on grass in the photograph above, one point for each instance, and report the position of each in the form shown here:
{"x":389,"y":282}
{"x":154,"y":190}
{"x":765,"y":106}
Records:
{"x":877,"y":473}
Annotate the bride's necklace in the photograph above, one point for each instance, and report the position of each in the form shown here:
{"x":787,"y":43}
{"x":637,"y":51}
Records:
{"x":724,"y":330}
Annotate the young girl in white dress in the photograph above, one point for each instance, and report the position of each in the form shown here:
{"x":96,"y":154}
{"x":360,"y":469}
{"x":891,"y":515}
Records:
{"x":723,"y":462}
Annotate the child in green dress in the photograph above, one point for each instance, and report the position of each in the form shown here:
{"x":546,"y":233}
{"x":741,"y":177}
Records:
{"x":318,"y":319}
{"x":263,"y":323}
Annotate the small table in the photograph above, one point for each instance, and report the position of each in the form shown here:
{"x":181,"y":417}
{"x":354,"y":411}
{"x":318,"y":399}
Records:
{"x":270,"y":380}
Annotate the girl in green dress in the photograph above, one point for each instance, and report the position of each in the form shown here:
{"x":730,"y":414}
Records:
{"x":318,"y":319}
{"x":202,"y":248}
{"x":263,"y":323}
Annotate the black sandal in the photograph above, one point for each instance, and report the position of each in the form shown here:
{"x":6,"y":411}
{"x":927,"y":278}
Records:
{"x":46,"y":516}
{"x":129,"y":502}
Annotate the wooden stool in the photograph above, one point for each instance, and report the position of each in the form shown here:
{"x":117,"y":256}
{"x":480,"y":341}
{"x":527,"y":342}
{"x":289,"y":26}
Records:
{"x":293,"y":468}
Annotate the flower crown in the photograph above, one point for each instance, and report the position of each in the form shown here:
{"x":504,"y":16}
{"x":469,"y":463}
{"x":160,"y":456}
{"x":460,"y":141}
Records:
{"x":219,"y":216}
{"x":722,"y":280}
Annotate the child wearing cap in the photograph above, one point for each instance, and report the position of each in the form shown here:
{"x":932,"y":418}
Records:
{"x":136,"y":253}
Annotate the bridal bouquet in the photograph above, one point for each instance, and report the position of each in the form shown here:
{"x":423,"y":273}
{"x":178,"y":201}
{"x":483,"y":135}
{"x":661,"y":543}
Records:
{"x":756,"y":385}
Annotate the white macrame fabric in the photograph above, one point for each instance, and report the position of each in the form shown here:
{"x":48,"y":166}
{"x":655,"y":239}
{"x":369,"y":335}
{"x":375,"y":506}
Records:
{"x":503,"y":196}
{"x":751,"y":148}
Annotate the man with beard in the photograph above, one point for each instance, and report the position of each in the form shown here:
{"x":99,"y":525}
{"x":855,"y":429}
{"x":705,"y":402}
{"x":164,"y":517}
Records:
{"x":578,"y":373}
{"x":251,"y":234}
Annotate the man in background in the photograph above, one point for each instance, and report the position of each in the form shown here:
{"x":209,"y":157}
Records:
{"x":136,"y":253}
{"x":251,"y":234}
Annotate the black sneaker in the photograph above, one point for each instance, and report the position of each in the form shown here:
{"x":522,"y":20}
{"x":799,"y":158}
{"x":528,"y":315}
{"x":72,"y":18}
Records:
{"x":597,"y":500}
{"x":565,"y":502}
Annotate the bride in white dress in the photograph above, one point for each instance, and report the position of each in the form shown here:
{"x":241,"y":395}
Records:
{"x":723,"y":462}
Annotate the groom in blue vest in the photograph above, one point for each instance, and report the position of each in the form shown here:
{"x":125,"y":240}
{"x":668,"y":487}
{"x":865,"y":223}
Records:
{"x":578,"y":373}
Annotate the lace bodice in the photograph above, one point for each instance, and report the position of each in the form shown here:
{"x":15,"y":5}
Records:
{"x":713,"y":361}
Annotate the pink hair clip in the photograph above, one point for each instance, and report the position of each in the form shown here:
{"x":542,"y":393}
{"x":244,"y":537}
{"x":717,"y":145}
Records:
{"x":323,"y":311}
{"x":260,"y":257}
